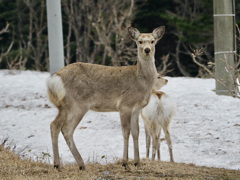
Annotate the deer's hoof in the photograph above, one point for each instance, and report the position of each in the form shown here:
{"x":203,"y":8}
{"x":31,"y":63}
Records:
{"x":124,"y":165}
{"x":82,"y":168}
{"x":137,"y":164}
{"x":56,"y":166}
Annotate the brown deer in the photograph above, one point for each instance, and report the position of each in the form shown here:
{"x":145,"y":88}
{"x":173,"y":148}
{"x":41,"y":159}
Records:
{"x":80,"y":87}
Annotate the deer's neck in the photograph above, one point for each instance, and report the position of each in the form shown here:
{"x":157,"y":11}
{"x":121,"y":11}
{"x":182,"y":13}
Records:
{"x":146,"y":70}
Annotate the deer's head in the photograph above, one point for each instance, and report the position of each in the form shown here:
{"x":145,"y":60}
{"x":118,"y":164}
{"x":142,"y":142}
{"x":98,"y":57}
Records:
{"x":146,"y":41}
{"x":160,"y":82}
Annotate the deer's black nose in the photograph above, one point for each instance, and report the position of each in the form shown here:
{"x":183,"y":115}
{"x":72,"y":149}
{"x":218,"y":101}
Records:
{"x":147,"y":50}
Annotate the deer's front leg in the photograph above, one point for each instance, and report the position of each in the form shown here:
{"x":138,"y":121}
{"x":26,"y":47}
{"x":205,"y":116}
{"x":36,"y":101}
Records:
{"x":125,"y":116}
{"x":135,"y":135}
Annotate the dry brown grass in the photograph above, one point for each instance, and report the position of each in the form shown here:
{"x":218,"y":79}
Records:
{"x":13,"y":167}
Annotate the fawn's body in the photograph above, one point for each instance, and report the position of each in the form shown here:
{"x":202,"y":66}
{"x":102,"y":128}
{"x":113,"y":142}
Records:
{"x":157,"y":115}
{"x":80,"y":87}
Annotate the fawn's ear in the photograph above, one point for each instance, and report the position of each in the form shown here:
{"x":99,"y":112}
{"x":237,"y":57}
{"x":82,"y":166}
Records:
{"x":133,"y":33}
{"x":158,"y":32}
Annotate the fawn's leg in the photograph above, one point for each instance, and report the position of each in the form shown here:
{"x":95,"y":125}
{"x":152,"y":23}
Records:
{"x":169,"y":143}
{"x":148,"y":141}
{"x":158,"y":146}
{"x":155,"y":133}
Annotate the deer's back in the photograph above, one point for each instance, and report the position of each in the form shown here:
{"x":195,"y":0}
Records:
{"x":104,"y":88}
{"x":160,"y":109}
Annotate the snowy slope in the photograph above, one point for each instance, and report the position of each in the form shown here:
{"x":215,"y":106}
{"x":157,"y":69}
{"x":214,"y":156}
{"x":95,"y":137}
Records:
{"x":205,"y":130}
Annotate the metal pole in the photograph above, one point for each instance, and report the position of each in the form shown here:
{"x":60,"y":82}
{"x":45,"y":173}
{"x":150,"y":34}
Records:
{"x":224,"y":42}
{"x":55,"y":35}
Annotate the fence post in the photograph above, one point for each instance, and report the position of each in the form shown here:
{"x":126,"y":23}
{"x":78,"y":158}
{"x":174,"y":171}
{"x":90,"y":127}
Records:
{"x":224,"y":42}
{"x":55,"y":35}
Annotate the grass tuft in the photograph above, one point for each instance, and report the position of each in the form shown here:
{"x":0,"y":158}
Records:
{"x":14,"y":167}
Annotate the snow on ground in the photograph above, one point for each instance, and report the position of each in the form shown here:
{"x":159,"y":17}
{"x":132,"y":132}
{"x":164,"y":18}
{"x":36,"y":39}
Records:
{"x":205,"y":130}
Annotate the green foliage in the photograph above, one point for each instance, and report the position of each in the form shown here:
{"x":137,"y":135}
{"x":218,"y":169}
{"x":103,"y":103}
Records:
{"x":150,"y":14}
{"x":194,"y":31}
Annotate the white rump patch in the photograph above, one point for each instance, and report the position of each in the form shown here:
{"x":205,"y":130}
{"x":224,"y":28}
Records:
{"x":55,"y":85}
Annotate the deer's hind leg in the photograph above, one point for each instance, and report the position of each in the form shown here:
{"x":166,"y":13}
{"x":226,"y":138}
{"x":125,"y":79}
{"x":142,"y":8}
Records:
{"x":55,"y":127}
{"x":147,"y":134}
{"x":158,"y":146}
{"x":169,"y":141}
{"x":155,"y":133}
{"x":148,"y":140}
{"x":74,"y":117}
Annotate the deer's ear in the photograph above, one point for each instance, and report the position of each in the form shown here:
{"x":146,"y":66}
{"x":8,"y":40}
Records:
{"x":133,"y":33}
{"x":158,"y":32}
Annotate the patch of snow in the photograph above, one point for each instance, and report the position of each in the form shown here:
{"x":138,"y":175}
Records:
{"x":205,"y":130}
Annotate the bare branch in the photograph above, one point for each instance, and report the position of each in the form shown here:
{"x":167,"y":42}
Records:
{"x":199,"y":52}
{"x":5,"y":29}
{"x":164,"y":67}
{"x":7,"y":52}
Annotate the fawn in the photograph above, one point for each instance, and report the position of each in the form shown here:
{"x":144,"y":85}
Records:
{"x":157,"y":115}
{"x":80,"y":87}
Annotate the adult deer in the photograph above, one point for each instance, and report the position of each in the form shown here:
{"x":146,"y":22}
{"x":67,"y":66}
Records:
{"x":80,"y":87}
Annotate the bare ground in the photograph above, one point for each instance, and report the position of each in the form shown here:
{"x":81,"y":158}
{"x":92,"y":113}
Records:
{"x":14,"y":167}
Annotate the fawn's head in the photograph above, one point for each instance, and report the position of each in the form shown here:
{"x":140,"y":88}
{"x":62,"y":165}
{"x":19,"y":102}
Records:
{"x":146,"y":41}
{"x":160,"y":82}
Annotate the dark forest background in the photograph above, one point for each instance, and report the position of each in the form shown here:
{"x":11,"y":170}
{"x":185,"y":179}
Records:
{"x":95,"y":31}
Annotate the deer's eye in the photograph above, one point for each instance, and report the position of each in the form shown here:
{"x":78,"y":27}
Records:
{"x":140,"y":42}
{"x":152,"y":42}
